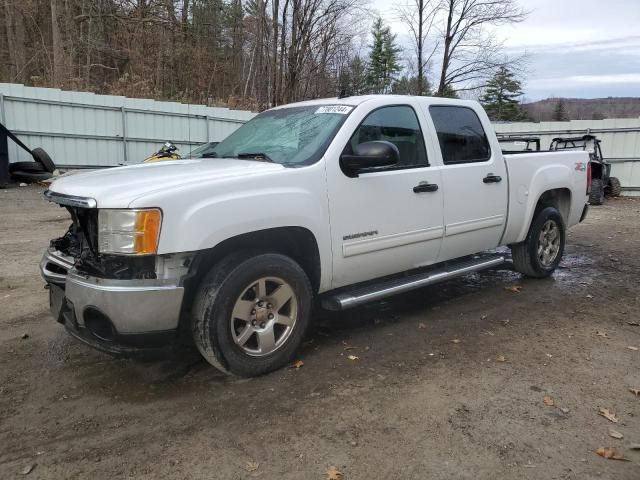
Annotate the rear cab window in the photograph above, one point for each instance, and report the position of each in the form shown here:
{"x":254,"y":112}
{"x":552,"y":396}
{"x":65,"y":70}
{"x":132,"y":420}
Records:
{"x":460,"y":134}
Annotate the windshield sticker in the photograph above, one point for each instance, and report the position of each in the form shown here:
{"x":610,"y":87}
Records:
{"x":341,"y":109}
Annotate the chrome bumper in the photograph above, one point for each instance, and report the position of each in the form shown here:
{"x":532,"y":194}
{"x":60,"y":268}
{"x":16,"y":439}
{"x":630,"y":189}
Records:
{"x":132,"y":306}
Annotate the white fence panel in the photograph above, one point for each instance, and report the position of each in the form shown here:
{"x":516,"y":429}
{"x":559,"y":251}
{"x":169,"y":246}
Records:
{"x":81,"y":129}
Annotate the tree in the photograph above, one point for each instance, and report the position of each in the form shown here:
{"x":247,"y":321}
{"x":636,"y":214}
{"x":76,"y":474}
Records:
{"x":383,"y":58}
{"x":470,"y":53}
{"x":501,"y":97}
{"x":560,"y":113}
{"x":419,"y":16}
{"x":410,"y":85}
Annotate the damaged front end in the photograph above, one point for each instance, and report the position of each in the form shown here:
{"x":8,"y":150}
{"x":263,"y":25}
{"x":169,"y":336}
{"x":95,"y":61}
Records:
{"x":116,"y":303}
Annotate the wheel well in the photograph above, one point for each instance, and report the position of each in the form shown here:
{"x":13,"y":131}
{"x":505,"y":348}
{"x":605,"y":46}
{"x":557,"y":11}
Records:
{"x":559,"y":198}
{"x":597,"y":170}
{"x":295,"y":242}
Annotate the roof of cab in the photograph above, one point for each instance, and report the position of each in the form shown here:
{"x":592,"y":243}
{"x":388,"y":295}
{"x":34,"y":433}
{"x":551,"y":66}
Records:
{"x":359,"y":99}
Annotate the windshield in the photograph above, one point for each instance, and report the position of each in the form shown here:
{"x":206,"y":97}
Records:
{"x":289,"y":136}
{"x":203,"y":150}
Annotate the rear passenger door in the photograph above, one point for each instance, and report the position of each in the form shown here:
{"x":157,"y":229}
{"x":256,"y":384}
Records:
{"x":474,"y":179}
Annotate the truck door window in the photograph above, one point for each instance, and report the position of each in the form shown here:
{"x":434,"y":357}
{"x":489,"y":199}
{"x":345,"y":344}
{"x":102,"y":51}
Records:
{"x":460,"y":133}
{"x":398,"y":125}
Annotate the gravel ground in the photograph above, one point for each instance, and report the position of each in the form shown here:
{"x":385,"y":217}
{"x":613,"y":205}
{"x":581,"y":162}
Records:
{"x":450,"y":381}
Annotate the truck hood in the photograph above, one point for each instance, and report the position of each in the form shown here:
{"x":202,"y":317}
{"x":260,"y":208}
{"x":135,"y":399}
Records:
{"x":118,"y":187}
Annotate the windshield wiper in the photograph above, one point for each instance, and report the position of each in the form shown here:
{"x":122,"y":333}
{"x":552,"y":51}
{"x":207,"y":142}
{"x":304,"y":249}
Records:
{"x":255,"y":156}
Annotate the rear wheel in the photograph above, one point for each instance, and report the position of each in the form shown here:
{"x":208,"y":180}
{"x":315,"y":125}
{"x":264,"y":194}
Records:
{"x":540,"y":254}
{"x":596,"y":197}
{"x":615,"y":188}
{"x":251,"y":313}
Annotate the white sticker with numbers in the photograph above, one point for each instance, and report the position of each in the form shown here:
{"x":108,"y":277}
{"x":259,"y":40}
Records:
{"x":341,"y":109}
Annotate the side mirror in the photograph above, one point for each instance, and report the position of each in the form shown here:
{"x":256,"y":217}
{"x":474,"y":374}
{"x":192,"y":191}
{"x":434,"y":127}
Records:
{"x":369,"y":156}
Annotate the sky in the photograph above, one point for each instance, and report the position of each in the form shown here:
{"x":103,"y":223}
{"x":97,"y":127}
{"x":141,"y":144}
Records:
{"x":574,"y":48}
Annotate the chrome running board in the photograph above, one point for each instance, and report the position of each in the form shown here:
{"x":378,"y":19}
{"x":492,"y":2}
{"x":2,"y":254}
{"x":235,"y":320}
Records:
{"x":387,"y":287}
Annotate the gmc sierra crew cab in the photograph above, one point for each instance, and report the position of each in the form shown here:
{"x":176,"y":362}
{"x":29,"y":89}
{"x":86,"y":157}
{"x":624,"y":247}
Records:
{"x":340,"y":201}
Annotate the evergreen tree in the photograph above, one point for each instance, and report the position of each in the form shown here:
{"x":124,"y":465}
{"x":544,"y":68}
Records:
{"x":447,"y":92}
{"x":501,"y":97}
{"x":560,"y":113}
{"x":406,"y":85}
{"x":383,"y":59}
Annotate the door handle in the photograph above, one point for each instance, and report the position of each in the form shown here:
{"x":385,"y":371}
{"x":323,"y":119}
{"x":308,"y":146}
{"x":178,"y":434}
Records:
{"x":425,"y":187}
{"x":491,"y":178}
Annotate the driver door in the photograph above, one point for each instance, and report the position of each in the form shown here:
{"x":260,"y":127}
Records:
{"x":385,"y":222}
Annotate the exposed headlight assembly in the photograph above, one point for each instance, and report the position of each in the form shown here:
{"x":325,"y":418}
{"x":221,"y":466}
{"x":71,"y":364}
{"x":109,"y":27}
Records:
{"x":129,"y":232}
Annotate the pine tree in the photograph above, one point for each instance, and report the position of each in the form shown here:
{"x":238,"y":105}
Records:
{"x":501,"y":97}
{"x":383,"y":59}
{"x":560,"y":113}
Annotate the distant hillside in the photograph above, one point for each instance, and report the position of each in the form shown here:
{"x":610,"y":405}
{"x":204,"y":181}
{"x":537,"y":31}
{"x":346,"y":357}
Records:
{"x":586,"y":108}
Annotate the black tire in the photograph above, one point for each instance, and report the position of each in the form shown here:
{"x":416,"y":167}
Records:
{"x":30,"y":177}
{"x":31,"y":167}
{"x":525,"y":255}
{"x":596,"y":197}
{"x":615,"y":188}
{"x":40,"y":156}
{"x":217,"y":296}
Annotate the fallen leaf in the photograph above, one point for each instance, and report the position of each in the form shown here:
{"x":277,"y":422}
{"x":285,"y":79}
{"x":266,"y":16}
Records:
{"x":564,"y":410}
{"x":25,"y":336}
{"x":608,"y":415}
{"x":514,"y":289}
{"x":456,"y":340}
{"x":635,"y":391}
{"x":333,"y":473}
{"x":635,"y":349}
{"x":28,"y":469}
{"x":602,"y":334}
{"x":251,"y":466}
{"x":297,"y":364}
{"x":610,"y":454}
{"x":549,"y":401}
{"x":589,"y":296}
{"x":422,"y":326}
{"x":500,"y":358}
{"x":353,"y":357}
{"x":615,"y":434}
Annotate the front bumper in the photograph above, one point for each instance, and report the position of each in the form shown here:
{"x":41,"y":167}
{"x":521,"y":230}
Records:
{"x":118,"y":316}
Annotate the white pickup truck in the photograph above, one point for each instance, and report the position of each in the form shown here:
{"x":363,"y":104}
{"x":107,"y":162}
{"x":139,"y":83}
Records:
{"x":340,"y":201}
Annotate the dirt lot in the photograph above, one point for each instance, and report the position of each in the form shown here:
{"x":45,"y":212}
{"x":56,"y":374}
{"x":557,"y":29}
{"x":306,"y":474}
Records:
{"x":428,"y":397}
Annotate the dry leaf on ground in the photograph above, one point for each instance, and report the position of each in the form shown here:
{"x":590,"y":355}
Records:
{"x":500,"y":358}
{"x":635,"y":349}
{"x":610,"y":453}
{"x":456,"y":340}
{"x":602,"y":334}
{"x":251,"y":466}
{"x":615,"y":434}
{"x":333,"y":473}
{"x":353,"y":357}
{"x":422,"y":326}
{"x":514,"y":289}
{"x":297,"y":364}
{"x":549,"y":401}
{"x":635,"y":391}
{"x":608,"y":415}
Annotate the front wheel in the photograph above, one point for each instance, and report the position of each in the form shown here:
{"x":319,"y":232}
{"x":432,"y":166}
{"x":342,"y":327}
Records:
{"x":540,"y":254}
{"x":596,"y":196}
{"x":251,"y":313}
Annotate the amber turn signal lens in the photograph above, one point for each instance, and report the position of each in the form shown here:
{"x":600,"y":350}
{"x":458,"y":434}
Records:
{"x":147,"y":231}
